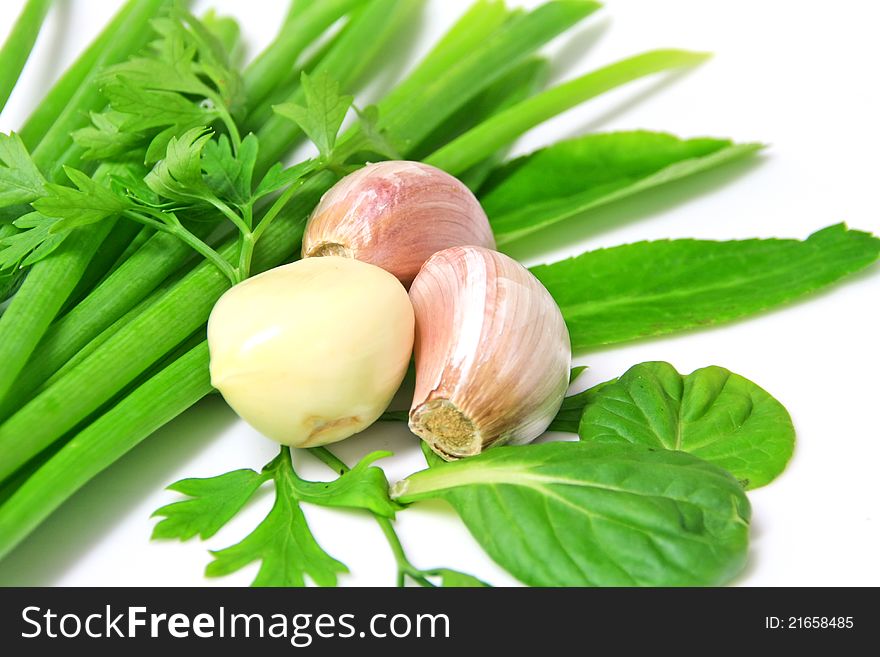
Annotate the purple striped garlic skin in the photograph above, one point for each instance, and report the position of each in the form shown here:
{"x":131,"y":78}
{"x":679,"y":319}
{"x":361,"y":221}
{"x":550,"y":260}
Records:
{"x":396,"y":215}
{"x":492,"y":353}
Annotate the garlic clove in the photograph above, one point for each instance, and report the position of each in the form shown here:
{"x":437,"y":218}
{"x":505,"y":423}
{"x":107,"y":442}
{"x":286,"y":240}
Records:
{"x":492,"y":353}
{"x":396,"y":215}
{"x":311,"y":352}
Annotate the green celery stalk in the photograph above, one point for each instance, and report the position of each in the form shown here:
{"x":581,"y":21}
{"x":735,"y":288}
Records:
{"x":477,"y":144}
{"x":56,"y":148}
{"x":157,"y":259}
{"x":433,"y":99}
{"x":108,"y":252}
{"x":59,"y":96}
{"x":153,"y":404}
{"x":367,"y":36}
{"x":50,"y":281}
{"x":164,"y":324}
{"x":18,"y":45}
{"x":270,"y":67}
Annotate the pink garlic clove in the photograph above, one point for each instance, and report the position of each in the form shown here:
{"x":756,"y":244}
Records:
{"x":492,"y":353}
{"x":396,"y":215}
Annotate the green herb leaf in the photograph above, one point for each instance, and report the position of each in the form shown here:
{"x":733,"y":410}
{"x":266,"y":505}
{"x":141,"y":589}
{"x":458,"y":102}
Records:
{"x":106,"y":137}
{"x":20,"y":179}
{"x":582,"y":514}
{"x":215,"y":500}
{"x":34,"y":242}
{"x":375,"y":138}
{"x":570,"y":177}
{"x":712,"y":413}
{"x":88,"y":203}
{"x":229,"y":176}
{"x":282,"y":543}
{"x":323,"y":113}
{"x":278,"y":177}
{"x":362,"y":487}
{"x":179,"y":175}
{"x":651,"y":288}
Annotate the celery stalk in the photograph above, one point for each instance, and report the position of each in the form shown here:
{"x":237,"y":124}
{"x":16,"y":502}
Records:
{"x":18,"y":45}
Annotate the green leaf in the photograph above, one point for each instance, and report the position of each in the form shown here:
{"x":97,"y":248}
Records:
{"x":375,"y":138}
{"x":106,"y":137}
{"x":179,"y":175}
{"x":455,"y":579}
{"x":20,"y":179}
{"x":282,"y":543}
{"x":323,"y":113}
{"x":215,"y":500}
{"x":651,"y":288}
{"x":712,"y":413}
{"x":277,"y":177}
{"x":583,"y":514}
{"x":34,"y":242}
{"x":88,"y":203}
{"x":568,"y":417}
{"x":229,"y":176}
{"x":363,"y":487}
{"x":570,"y":177}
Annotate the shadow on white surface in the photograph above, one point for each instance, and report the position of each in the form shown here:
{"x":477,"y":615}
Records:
{"x":102,"y":503}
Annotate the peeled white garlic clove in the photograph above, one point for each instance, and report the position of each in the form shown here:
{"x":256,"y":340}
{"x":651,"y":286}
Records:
{"x":396,"y":215}
{"x":492,"y":353}
{"x":312,"y":352}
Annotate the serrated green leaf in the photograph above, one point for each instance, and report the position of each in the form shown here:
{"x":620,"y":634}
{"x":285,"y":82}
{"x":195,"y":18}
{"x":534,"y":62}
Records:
{"x":106,"y":138}
{"x":570,"y":177}
{"x":214,"y":501}
{"x":323,"y":113}
{"x":20,"y":179}
{"x":144,"y":109}
{"x":179,"y":175}
{"x":88,"y":203}
{"x":375,"y":138}
{"x":282,"y":543}
{"x":227,"y":175}
{"x":363,"y":487}
{"x":34,"y":242}
{"x":583,"y":514}
{"x":278,"y":177}
{"x":711,"y":413}
{"x":652,"y":288}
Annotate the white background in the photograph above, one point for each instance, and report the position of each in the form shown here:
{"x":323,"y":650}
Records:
{"x":800,"y":76}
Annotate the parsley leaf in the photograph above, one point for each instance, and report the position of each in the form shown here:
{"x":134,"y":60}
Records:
{"x":88,"y":203}
{"x":214,"y":501}
{"x":277,"y":177}
{"x":282,"y":542}
{"x":179,"y":175}
{"x":228,"y":176}
{"x":324,"y":111}
{"x":375,"y":138}
{"x":20,"y":179}
{"x":33,"y":243}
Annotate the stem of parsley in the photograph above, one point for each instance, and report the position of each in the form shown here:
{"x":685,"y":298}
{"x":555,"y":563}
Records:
{"x":404,"y":567}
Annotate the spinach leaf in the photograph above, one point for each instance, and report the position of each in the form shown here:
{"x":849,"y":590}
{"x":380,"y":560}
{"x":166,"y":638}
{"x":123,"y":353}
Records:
{"x":651,"y":288}
{"x":572,"y":176}
{"x":584,"y":514}
{"x":711,"y":413}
